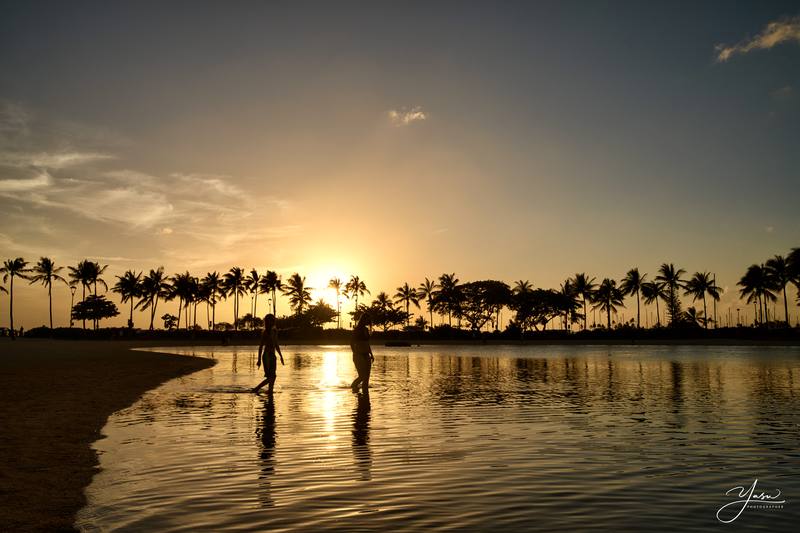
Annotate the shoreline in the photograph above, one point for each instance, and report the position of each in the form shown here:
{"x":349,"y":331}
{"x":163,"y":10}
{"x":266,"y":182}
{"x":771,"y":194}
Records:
{"x":55,"y":398}
{"x":158,"y":343}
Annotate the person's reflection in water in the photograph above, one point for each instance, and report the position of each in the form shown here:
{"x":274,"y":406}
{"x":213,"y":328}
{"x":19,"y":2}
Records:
{"x":361,"y":451}
{"x":266,"y":436}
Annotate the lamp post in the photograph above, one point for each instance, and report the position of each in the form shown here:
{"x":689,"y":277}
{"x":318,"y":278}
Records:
{"x":72,"y":289}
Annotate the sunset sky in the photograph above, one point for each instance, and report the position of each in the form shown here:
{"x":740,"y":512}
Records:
{"x":398,"y":141}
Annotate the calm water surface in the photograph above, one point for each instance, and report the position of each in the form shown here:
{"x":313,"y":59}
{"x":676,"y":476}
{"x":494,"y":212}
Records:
{"x":459,"y":438}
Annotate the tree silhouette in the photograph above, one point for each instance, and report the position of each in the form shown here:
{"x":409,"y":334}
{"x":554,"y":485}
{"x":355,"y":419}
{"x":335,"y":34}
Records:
{"x":94,"y":308}
{"x":608,"y":297}
{"x":700,"y":284}
{"x":584,"y":287}
{"x":212,"y":288}
{"x":779,"y":274}
{"x":184,"y":287}
{"x":271,"y":283}
{"x":632,"y":286}
{"x":233,"y":281}
{"x":672,"y":280}
{"x":355,"y":288}
{"x":757,"y":288}
{"x":46,"y":272}
{"x":407,"y":296}
{"x":155,"y":286}
{"x":129,"y":287}
{"x":336,"y":284}
{"x":652,"y":291}
{"x":13,"y":268}
{"x":253,"y":284}
{"x":448,"y":298}
{"x":298,"y":294}
{"x":427,"y":291}
{"x":88,"y":274}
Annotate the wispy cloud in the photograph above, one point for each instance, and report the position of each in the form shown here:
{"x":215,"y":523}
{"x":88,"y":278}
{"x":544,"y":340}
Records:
{"x":25,"y":184}
{"x":56,"y":160}
{"x":404,"y":116}
{"x":775,"y":33}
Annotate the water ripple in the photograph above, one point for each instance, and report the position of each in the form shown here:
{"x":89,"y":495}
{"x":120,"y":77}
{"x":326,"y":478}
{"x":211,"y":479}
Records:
{"x":456,"y":438}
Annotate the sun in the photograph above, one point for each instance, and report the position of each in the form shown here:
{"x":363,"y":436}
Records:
{"x":319,"y":277}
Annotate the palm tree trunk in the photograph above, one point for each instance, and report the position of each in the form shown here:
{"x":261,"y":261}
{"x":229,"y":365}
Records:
{"x":11,"y":308}
{"x":584,"y":312}
{"x":608,"y":315}
{"x":705,"y":316}
{"x":658,"y":315}
{"x":50,"y":298}
{"x":83,"y":299}
{"x":213,"y":315}
{"x":274,"y":303}
{"x":235,"y":310}
{"x":406,"y":313}
{"x":638,"y":321}
{"x":130,"y":325}
{"x":785,"y":307}
{"x":180,"y":306}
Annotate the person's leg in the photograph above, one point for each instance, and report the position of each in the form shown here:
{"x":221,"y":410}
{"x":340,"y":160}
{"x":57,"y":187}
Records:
{"x":356,"y":382}
{"x":258,"y":387}
{"x":366,"y":373}
{"x":272,"y":373}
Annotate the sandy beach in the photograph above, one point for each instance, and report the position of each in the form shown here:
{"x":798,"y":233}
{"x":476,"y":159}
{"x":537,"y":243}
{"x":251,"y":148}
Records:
{"x":55,"y":397}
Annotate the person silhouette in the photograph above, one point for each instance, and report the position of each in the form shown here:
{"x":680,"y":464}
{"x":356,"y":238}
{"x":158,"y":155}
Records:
{"x":269,"y":345}
{"x":362,"y":354}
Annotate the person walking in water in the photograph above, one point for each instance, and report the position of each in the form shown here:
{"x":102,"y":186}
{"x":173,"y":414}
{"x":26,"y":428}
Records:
{"x":268,"y":346}
{"x":362,"y":354}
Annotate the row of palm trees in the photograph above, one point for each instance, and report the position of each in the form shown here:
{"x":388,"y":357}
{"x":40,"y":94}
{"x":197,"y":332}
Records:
{"x":445,"y":295}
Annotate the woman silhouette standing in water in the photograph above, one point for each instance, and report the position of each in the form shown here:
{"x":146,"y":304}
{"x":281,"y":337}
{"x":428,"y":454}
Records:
{"x":269,"y":345}
{"x":362,"y":354}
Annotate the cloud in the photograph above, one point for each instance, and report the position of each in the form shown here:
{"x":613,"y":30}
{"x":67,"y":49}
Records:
{"x":55,"y":160}
{"x":404,"y":117}
{"x":25,"y":184}
{"x":14,"y":119}
{"x":775,"y":33}
{"x":784,"y":94}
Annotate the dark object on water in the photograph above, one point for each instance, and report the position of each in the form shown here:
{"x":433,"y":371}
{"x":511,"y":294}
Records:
{"x":397,"y":343}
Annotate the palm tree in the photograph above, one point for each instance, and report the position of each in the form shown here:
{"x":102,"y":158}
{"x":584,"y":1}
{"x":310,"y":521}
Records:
{"x":427,"y":291}
{"x":13,"y":268}
{"x":584,"y":287}
{"x":671,"y":277}
{"x":87,"y":274}
{"x":336,"y":284}
{"x":652,"y":291}
{"x":757,"y":287}
{"x":129,"y":287}
{"x":632,"y":285}
{"x":252,"y":283}
{"x":184,"y":287}
{"x":155,"y":285}
{"x":81,"y":275}
{"x":779,"y":273}
{"x":271,"y":284}
{"x":355,"y":288}
{"x":448,"y":297}
{"x":698,"y":286}
{"x":569,"y":303}
{"x":408,"y":296}
{"x":212,"y":287}
{"x":298,"y":294}
{"x":45,"y":272}
{"x":608,"y":297}
{"x":233,"y":281}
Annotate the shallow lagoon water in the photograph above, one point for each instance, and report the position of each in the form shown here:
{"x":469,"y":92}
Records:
{"x":462,"y":438}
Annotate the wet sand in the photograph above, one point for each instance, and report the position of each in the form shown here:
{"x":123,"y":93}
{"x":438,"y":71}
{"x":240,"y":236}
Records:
{"x":55,"y":397}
